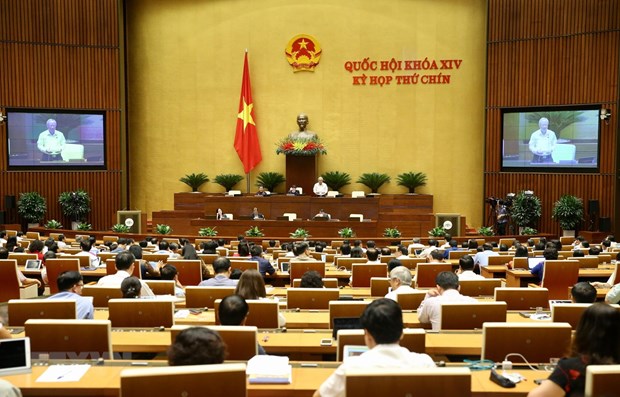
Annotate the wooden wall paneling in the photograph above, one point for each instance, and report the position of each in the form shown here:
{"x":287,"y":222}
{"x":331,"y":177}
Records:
{"x":549,"y":53}
{"x":64,"y":54}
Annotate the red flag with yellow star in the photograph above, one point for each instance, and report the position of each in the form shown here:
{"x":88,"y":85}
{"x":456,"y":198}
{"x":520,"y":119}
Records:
{"x":246,"y":138}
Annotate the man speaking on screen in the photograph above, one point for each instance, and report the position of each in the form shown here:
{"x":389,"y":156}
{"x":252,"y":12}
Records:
{"x":51,"y":142}
{"x":542,"y":142}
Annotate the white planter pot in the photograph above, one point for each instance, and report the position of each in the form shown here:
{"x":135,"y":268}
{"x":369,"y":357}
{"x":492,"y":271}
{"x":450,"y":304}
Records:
{"x":74,"y":225}
{"x":31,"y":225}
{"x":568,"y":233}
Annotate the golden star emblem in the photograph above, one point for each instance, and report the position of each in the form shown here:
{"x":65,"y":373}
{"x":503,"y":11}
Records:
{"x":303,"y":43}
{"x":246,"y":114}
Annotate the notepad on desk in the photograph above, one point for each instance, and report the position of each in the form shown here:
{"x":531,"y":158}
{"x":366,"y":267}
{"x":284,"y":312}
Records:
{"x":269,"y":369}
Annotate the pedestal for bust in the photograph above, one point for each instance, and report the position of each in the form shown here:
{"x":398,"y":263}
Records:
{"x":302,"y":172}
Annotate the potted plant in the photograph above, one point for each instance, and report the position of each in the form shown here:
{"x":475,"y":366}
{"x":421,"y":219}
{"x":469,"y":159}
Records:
{"x":437,"y":232}
{"x":53,"y":224}
{"x":486,"y":231}
{"x":528,"y":231}
{"x":75,"y":205}
{"x":195,"y":180}
{"x":120,"y":228}
{"x":391,"y":232}
{"x":207,"y":232}
{"x":411,"y":180}
{"x":228,"y":181}
{"x":568,"y":211}
{"x":300,"y":233}
{"x":270,"y":180}
{"x":163,"y":229}
{"x":336,"y":180}
{"x":526,"y":209}
{"x":84,"y":226}
{"x":254,"y":231}
{"x":373,"y":180}
{"x":32,"y":207}
{"x":346,"y":232}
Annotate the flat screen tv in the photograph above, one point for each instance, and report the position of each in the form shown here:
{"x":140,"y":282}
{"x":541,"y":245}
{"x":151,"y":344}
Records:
{"x":55,"y":139}
{"x":558,"y":139}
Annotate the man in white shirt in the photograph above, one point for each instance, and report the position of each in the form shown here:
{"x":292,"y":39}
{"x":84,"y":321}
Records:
{"x":372,"y":254}
{"x":320,"y":188}
{"x":400,"y":281}
{"x":542,"y":142}
{"x":415,"y":245}
{"x":482,"y":258}
{"x":382,"y":321}
{"x":447,"y":291}
{"x":466,"y":269}
{"x":51,"y":142}
{"x":124,"y":268}
{"x":433,"y":245}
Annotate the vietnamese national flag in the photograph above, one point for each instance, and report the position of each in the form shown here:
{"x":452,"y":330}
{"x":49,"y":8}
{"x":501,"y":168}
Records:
{"x":246,"y":138}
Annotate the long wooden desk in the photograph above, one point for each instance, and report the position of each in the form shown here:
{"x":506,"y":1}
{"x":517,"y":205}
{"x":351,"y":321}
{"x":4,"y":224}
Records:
{"x":105,"y":381}
{"x":297,"y":341}
{"x":522,"y":277}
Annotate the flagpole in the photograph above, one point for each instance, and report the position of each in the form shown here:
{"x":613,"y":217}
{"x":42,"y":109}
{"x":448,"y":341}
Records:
{"x":247,"y":178}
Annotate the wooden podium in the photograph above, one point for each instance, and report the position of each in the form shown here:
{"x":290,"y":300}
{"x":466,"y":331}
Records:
{"x":302,"y":172}
{"x":136,"y":223}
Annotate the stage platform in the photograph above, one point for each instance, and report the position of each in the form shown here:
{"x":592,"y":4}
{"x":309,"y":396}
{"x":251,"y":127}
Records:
{"x":411,"y":214}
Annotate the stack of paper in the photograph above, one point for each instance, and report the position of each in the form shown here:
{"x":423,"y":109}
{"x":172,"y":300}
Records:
{"x":269,"y":369}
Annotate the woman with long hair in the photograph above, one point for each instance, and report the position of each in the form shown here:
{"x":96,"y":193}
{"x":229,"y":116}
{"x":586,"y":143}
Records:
{"x":596,"y":342}
{"x":252,"y":286}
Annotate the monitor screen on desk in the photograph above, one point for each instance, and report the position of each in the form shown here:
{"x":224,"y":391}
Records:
{"x":551,"y":139}
{"x":532,"y":262}
{"x":14,"y":356}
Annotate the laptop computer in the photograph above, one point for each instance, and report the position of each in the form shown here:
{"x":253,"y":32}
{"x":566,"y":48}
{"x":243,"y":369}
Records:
{"x":352,"y":351}
{"x":345,"y":323}
{"x":34,"y":264}
{"x":532,"y":262}
{"x":15,"y":356}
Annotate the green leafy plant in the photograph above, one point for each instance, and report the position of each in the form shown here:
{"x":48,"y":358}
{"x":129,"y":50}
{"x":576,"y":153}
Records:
{"x":528,"y":231}
{"x":373,"y":180}
{"x":526,"y":209}
{"x":53,"y":224}
{"x":411,"y":180}
{"x":163,"y":229}
{"x":346,"y":232}
{"x":300,"y":233}
{"x":568,"y":211}
{"x":75,"y":205}
{"x":391,"y":232}
{"x":270,"y":180}
{"x":120,"y":228}
{"x":207,"y":232}
{"x":437,"y":232}
{"x":486,"y":231}
{"x":32,"y":206}
{"x":228,"y":181}
{"x":336,"y":180}
{"x":254,"y":231}
{"x":195,"y":180}
{"x":84,"y":226}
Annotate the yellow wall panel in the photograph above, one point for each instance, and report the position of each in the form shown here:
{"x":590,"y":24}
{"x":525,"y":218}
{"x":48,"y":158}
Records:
{"x":185,"y":61}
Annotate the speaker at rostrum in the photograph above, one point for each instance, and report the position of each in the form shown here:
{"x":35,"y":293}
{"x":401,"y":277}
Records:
{"x":454,"y":219}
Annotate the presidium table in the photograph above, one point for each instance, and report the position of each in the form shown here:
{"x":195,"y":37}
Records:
{"x":411,"y":214}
